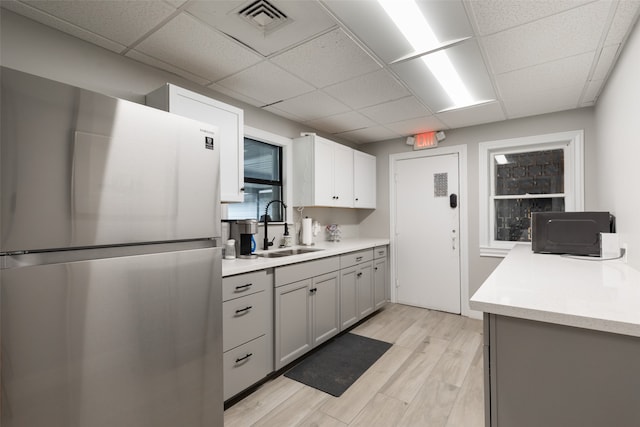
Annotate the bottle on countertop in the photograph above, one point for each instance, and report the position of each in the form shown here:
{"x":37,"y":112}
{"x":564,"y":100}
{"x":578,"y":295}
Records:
{"x":230,"y":249}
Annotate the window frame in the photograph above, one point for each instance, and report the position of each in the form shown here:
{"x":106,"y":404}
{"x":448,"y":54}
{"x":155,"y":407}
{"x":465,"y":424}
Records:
{"x":573,"y":144}
{"x":268,"y":182}
{"x":287,"y":170}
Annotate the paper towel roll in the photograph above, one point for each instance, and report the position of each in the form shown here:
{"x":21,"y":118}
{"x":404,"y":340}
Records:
{"x":307,"y":231}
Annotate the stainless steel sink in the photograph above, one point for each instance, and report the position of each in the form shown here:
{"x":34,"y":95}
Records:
{"x":287,"y":252}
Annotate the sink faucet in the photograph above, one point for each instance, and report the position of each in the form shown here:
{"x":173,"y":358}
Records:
{"x":266,"y":242}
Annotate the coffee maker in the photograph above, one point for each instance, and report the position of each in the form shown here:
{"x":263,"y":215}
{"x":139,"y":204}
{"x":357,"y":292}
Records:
{"x":242,"y":231}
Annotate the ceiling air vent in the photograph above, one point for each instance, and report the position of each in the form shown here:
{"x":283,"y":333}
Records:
{"x":263,"y":15}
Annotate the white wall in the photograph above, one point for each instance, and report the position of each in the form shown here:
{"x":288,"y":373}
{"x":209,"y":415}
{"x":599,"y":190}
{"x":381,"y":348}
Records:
{"x":31,"y":47}
{"x":376,"y":223}
{"x":28,"y":46}
{"x":618,"y":149}
{"x":34,"y":48}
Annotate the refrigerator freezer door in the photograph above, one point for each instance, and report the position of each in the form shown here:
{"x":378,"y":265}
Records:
{"x":126,"y":341}
{"x":81,"y":169}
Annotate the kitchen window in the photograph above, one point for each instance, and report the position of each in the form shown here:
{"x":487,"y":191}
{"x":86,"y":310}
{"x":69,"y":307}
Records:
{"x":524,"y":175}
{"x":262,"y":182}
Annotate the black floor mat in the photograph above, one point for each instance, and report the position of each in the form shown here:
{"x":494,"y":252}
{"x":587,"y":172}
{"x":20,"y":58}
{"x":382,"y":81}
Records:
{"x":338,"y":364}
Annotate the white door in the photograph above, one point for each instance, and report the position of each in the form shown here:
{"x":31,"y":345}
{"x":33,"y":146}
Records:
{"x":427,"y":232}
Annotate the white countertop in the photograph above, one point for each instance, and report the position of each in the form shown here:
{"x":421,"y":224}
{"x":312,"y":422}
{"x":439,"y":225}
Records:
{"x":598,"y":295}
{"x":237,"y":266}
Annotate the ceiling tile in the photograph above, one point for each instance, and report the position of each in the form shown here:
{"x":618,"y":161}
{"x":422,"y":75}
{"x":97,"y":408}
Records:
{"x":605,"y":62}
{"x":312,"y":105}
{"x":141,"y":57}
{"x":304,"y":20}
{"x":341,"y":122}
{"x":570,"y":33}
{"x":199,"y":48}
{"x":556,"y":74}
{"x":479,"y":114}
{"x":591,"y":93}
{"x":64,"y":26}
{"x":417,"y":125}
{"x":121,"y":21}
{"x":370,"y":89}
{"x":492,"y":16}
{"x":273,"y":109}
{"x":543,"y":101}
{"x":372,"y":134}
{"x":266,"y":82}
{"x":177,"y":3}
{"x":327,"y":59}
{"x":625,"y":16}
{"x":233,"y":94}
{"x":395,"y":111}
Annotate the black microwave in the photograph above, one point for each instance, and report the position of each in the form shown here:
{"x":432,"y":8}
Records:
{"x":575,"y":233}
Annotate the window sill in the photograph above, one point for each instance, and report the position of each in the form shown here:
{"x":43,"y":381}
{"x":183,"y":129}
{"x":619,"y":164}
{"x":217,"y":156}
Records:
{"x":494,"y":252}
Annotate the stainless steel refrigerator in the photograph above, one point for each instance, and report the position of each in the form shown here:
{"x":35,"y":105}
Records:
{"x":110,"y":265}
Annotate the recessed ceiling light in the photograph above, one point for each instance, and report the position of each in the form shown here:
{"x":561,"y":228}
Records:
{"x":410,"y":21}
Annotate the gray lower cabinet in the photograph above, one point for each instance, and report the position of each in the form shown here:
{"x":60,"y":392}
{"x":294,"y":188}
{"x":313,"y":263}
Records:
{"x":356,"y":287}
{"x":380,"y":275}
{"x":307,"y":301}
{"x":544,"y":374}
{"x":247,"y":335}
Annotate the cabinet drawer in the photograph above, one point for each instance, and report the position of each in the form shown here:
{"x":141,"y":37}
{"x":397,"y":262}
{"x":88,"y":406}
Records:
{"x":245,"y":284}
{"x":304,"y":270}
{"x":245,"y":365}
{"x":380,"y":252}
{"x":244,"y":319}
{"x":353,"y":258}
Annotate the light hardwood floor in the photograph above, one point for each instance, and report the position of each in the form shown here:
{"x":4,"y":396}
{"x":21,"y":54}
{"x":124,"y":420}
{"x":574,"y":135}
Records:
{"x":430,"y":377}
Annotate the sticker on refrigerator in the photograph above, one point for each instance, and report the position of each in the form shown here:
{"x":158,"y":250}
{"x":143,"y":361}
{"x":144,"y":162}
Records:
{"x":208,"y":142}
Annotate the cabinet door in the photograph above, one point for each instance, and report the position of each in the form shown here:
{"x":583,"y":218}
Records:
{"x":379,"y":282}
{"x":323,"y":179}
{"x":292,"y":322}
{"x":364,"y":180}
{"x":246,"y":365}
{"x":343,"y":176}
{"x":230,"y":122}
{"x":364,"y":285}
{"x":348,"y":299}
{"x":325,"y":295}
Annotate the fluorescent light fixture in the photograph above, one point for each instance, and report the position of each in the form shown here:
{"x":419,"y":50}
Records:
{"x":406,"y":15}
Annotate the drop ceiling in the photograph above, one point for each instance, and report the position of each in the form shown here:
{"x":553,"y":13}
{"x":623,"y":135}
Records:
{"x":340,"y":66}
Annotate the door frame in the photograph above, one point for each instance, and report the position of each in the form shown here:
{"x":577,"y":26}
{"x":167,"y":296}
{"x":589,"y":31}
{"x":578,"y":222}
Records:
{"x":461,"y":151}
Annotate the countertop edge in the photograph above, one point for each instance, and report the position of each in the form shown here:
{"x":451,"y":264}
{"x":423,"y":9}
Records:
{"x":240,"y":266}
{"x":493,"y":297}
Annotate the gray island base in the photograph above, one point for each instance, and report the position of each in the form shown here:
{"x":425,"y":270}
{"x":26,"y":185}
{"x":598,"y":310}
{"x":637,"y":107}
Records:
{"x":543,"y":374}
{"x":561,"y":342}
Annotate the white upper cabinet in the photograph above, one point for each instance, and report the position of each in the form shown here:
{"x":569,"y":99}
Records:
{"x":323,"y":172}
{"x":230,"y":122}
{"x":364,"y":180}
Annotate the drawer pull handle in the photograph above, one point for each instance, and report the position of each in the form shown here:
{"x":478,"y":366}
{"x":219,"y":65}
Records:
{"x":314,"y":290}
{"x":243,"y":310}
{"x":359,"y":259}
{"x":244,"y":287}
{"x":381,"y":253}
{"x":245,"y":357}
